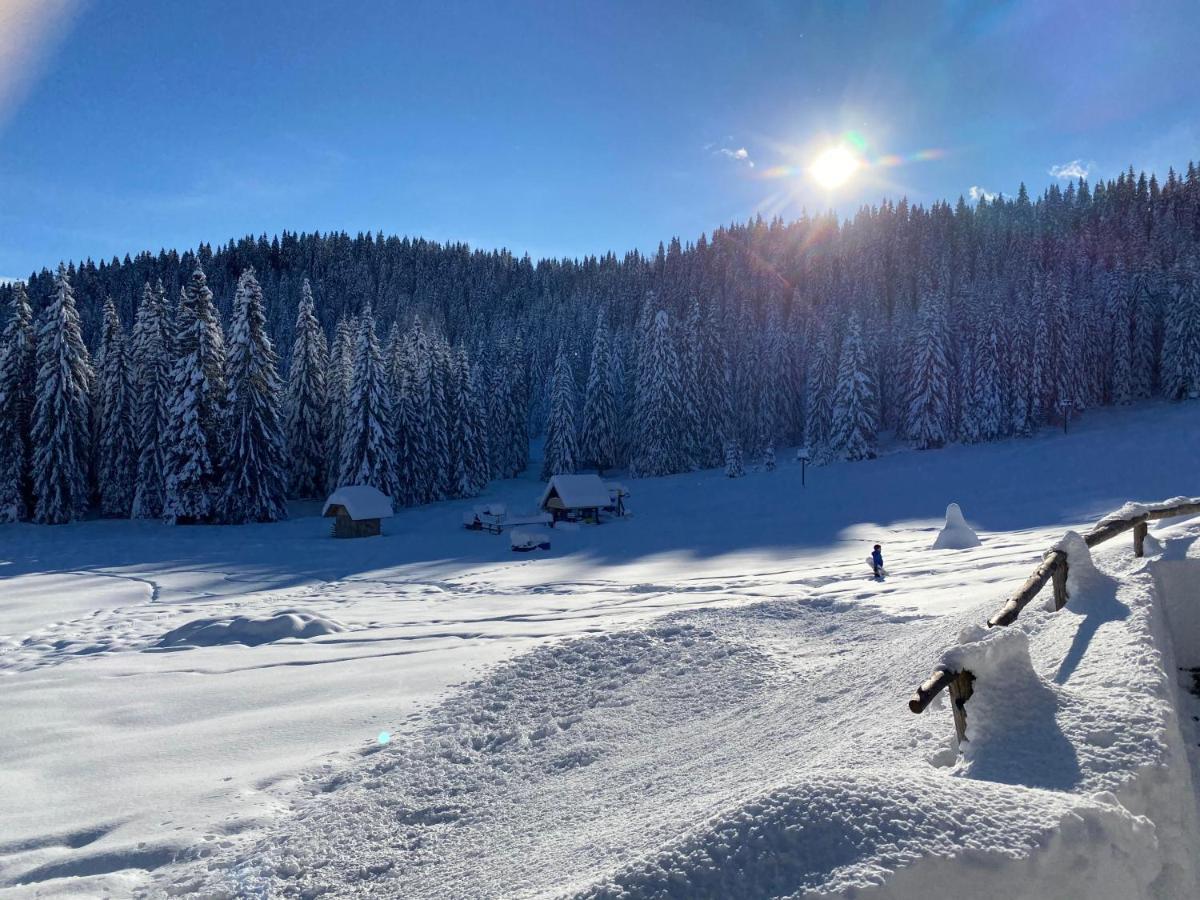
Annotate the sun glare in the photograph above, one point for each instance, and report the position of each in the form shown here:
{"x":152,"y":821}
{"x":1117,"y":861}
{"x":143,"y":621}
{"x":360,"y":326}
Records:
{"x":834,"y":166}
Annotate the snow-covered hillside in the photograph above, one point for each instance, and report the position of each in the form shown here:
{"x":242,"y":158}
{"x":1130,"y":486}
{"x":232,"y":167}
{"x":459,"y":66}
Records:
{"x":705,"y":699}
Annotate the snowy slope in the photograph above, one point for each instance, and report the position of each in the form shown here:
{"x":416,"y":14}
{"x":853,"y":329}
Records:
{"x":753,"y":742}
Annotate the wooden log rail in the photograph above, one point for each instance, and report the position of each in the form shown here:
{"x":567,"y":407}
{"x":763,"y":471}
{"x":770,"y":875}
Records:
{"x":1053,"y":567}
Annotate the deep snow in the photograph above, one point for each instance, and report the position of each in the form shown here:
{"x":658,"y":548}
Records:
{"x":753,"y":742}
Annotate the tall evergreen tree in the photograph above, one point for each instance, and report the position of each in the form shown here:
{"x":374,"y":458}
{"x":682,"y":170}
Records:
{"x":561,"y":452}
{"x":197,"y":407}
{"x":307,"y":412}
{"x":151,"y":366}
{"x":18,"y":375}
{"x":1181,"y":335}
{"x":820,"y":384}
{"x":854,"y":417}
{"x":255,"y":469}
{"x":60,"y":428}
{"x":598,"y":432}
{"x":337,"y":385}
{"x":929,"y":401}
{"x":367,"y":447}
{"x":114,"y":414}
{"x":658,"y":392}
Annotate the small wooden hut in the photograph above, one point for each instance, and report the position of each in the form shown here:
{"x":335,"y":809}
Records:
{"x":576,"y":498}
{"x":358,"y":510}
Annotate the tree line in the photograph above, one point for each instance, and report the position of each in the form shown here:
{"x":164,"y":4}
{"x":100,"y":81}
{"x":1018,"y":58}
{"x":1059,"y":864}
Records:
{"x":963,"y":322}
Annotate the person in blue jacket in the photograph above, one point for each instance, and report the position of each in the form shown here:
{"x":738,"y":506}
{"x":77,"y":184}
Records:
{"x":877,"y":560}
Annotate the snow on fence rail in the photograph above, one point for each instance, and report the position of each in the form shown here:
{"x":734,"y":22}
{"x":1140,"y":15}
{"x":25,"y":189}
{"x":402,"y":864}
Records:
{"x":1053,"y":567}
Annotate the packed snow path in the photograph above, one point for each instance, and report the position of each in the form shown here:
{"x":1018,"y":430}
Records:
{"x":769,"y":703}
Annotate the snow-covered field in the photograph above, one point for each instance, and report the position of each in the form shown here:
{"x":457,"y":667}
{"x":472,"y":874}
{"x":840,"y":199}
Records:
{"x":705,"y":699}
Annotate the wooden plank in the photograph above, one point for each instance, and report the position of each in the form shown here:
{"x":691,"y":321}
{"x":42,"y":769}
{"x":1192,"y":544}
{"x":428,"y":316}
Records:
{"x":961,"y":688}
{"x":1033,"y":584}
{"x":1139,"y":538}
{"x":933,"y":685}
{"x":1168,"y":512}
{"x":1060,"y":586}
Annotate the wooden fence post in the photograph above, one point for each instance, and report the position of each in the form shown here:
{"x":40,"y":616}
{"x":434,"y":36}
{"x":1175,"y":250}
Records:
{"x":960,"y":692}
{"x":1139,"y":538}
{"x":1060,"y":585}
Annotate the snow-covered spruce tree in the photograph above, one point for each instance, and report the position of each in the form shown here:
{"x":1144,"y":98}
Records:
{"x":116,"y":452}
{"x":197,"y":412}
{"x":1120,"y":338}
{"x":441,"y":400}
{"x":598,"y":432}
{"x":658,"y":394}
{"x":150,"y":362}
{"x":854,"y":418}
{"x":405,"y":425}
{"x":467,"y":454}
{"x":690,"y":399}
{"x":518,"y":408}
{"x":367,"y":447}
{"x":561,"y":453}
{"x":337,"y":387}
{"x":480,"y":456}
{"x":820,"y":386}
{"x":929,"y":402}
{"x":307,"y":413}
{"x":1145,"y":351}
{"x":60,"y":429}
{"x":18,"y":374}
{"x":1181,"y":333}
{"x":714,"y":391}
{"x":255,"y":469}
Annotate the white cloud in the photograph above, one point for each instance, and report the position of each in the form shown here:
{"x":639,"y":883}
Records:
{"x":979,"y":193}
{"x":740,"y":154}
{"x":1072,"y":170}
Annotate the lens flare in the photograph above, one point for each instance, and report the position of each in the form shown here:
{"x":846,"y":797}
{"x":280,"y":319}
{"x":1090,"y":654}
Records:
{"x":384,"y":739}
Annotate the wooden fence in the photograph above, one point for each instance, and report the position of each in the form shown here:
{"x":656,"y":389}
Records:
{"x":1053,"y":568}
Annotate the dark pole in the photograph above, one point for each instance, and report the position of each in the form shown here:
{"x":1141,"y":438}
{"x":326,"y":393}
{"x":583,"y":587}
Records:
{"x":803,"y":467}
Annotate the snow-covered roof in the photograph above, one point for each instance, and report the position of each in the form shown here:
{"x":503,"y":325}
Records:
{"x":578,"y":491}
{"x":361,"y":501}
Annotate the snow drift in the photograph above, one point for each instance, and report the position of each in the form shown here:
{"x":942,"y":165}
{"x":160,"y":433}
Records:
{"x":250,"y":630}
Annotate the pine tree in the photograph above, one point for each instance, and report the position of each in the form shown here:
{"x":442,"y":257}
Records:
{"x":1181,"y":334}
{"x":467,"y":449}
{"x":1145,"y":351}
{"x":151,"y":365}
{"x":561,"y":453}
{"x":114,"y":419}
{"x":341,"y":367}
{"x":1120,"y":341}
{"x":658,"y":391}
{"x":714,"y":393}
{"x":406,"y":427}
{"x":60,"y":427}
{"x":440,"y":402}
{"x":929,"y":402}
{"x":197,"y":407}
{"x":598,"y":432}
{"x":18,"y":374}
{"x":820,"y":384}
{"x":255,"y":476}
{"x":690,"y":399}
{"x":367,"y":448}
{"x":307,"y":416}
{"x":854,"y":418}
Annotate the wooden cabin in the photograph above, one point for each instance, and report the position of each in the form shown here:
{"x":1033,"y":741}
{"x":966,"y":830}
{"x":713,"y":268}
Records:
{"x":576,"y":498}
{"x":358,"y":511}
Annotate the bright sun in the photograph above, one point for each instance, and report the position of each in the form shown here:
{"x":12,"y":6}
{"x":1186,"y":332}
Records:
{"x":833,"y":167}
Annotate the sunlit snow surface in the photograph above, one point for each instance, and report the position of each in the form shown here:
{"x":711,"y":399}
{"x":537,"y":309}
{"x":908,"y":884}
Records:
{"x":707,"y":699}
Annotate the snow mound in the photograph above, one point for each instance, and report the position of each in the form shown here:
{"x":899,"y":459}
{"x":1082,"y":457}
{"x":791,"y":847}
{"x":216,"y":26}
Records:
{"x":956,"y":534}
{"x":530,"y":539}
{"x":833,"y":835}
{"x":250,"y":630}
{"x":1084,"y":580}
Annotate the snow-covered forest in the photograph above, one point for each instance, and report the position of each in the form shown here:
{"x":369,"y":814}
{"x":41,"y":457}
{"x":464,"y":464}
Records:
{"x":211,"y":386}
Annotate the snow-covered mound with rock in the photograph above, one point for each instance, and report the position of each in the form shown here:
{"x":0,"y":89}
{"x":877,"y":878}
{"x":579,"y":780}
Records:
{"x":956,"y":534}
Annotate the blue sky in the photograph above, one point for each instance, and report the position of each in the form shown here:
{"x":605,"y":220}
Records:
{"x":555,"y":128}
